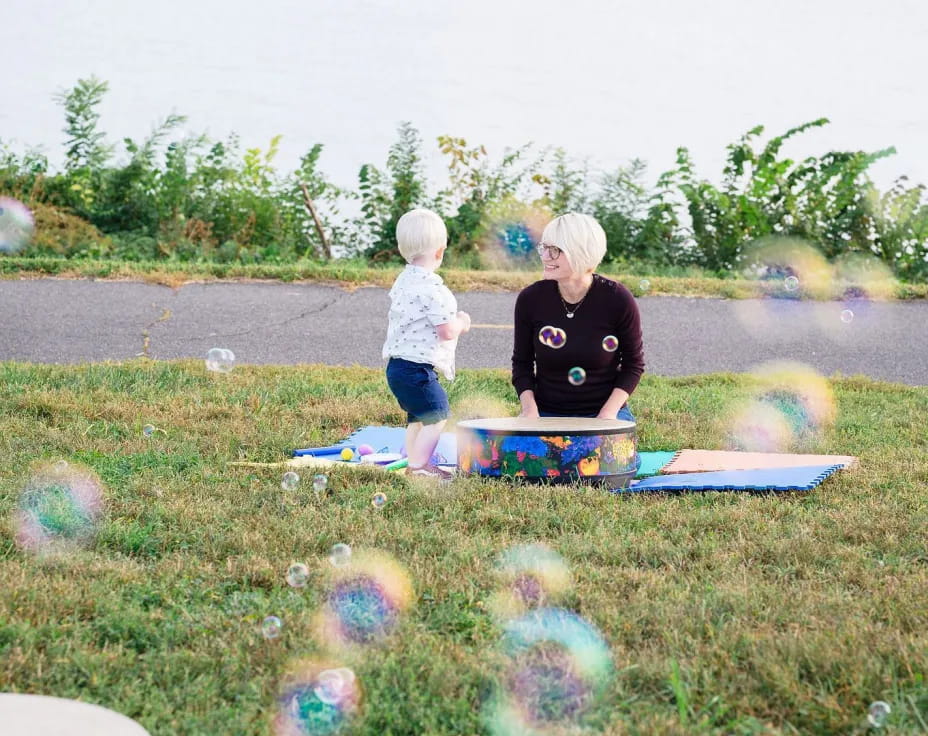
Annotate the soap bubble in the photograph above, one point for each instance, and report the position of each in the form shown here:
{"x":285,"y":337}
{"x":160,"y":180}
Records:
{"x":552,"y":337}
{"x":16,"y":225}
{"x":790,"y":406}
{"x":290,"y":481}
{"x":555,"y":664}
{"x":756,"y":427}
{"x":861,"y":283}
{"x":610,"y":343}
{"x":529,"y":576}
{"x":576,"y":376}
{"x":220,"y":360}
{"x":644,"y":285}
{"x":320,"y":482}
{"x":270,"y":627}
{"x":332,"y":684}
{"x":509,"y":233}
{"x":148,"y":430}
{"x":59,"y":507}
{"x":379,"y":500}
{"x":297,"y":575}
{"x":317,"y":699}
{"x":366,"y":598}
{"x":790,"y":275}
{"x":878,"y":713}
{"x":340,"y":554}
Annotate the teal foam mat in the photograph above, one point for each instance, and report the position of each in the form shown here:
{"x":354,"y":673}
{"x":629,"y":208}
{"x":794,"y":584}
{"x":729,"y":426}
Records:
{"x":653,"y":462}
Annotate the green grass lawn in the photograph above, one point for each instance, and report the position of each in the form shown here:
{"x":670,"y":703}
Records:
{"x":353,"y":274}
{"x":725,"y":613}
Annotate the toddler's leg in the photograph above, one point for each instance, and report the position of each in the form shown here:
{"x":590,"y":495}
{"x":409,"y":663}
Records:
{"x":420,"y":452}
{"x":412,"y":431}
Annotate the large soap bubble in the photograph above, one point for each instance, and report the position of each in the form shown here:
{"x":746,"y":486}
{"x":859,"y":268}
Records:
{"x":529,"y":576}
{"x":790,"y":406}
{"x":366,"y":598}
{"x":317,"y":699}
{"x":16,"y":225}
{"x":60,"y":507}
{"x":554,"y":666}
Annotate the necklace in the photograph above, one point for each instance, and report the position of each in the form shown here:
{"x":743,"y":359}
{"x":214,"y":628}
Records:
{"x":571,"y":312}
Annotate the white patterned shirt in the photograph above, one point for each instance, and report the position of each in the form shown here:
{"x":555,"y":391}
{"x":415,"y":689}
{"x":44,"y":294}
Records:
{"x":419,"y":302}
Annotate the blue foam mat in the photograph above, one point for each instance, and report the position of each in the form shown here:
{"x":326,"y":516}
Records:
{"x":765,"y":479}
{"x":390,"y":439}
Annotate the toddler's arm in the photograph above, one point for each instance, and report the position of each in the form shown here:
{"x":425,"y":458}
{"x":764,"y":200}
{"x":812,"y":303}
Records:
{"x":458,"y":324}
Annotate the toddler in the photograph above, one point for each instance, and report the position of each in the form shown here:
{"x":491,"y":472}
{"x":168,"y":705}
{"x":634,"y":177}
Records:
{"x":422,"y":333}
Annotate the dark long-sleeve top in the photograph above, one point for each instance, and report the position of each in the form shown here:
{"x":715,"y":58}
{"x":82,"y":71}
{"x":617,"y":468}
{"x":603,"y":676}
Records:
{"x":609,"y":309}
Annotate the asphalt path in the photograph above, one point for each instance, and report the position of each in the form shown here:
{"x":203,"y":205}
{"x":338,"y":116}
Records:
{"x":76,"y":321}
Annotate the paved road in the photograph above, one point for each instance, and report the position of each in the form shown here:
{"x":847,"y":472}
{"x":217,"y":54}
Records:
{"x":65,"y":321}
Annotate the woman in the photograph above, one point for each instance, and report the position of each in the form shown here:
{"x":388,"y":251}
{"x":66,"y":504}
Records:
{"x":577,"y":346}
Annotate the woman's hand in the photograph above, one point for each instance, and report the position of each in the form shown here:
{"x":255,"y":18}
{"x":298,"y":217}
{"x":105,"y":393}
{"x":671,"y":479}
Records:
{"x":613,"y":404}
{"x":529,"y":407}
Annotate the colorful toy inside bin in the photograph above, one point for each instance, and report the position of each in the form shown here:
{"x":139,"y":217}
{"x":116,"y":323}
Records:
{"x":550,"y":449}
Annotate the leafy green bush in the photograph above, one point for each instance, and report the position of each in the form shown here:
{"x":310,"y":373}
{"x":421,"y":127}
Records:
{"x":183,"y":197}
{"x":820,"y":199}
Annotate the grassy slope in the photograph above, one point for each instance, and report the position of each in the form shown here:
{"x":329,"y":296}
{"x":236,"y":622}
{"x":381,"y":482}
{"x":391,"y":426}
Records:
{"x":785,"y":614}
{"x":353,"y":274}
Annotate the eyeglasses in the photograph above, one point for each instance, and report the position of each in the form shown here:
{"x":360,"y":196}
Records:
{"x":551,"y":251}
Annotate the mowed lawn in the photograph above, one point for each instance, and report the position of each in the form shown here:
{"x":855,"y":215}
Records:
{"x":725,"y":613}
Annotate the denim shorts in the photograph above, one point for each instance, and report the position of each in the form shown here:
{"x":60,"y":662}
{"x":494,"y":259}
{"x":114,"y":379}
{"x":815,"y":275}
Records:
{"x":416,"y":388}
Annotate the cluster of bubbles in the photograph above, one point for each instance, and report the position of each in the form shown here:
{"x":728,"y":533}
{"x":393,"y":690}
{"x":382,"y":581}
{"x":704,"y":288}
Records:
{"x":556,"y":338}
{"x":791,"y":272}
{"x":60,"y":507}
{"x":220,"y":360}
{"x":367,"y":594}
{"x":511,"y":231}
{"x":553,"y":664}
{"x":789,"y":408}
{"x":317,"y":699}
{"x":16,"y":225}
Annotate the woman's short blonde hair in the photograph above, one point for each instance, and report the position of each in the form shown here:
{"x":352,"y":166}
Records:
{"x":420,"y":231}
{"x":582,"y":239}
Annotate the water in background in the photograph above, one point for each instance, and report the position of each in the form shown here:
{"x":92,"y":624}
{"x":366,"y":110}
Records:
{"x":606,"y":80}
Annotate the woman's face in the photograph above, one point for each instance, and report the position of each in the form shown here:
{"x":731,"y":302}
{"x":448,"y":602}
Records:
{"x":555,"y":263}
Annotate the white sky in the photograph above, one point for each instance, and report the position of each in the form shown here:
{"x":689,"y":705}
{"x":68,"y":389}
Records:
{"x":608,"y":80}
